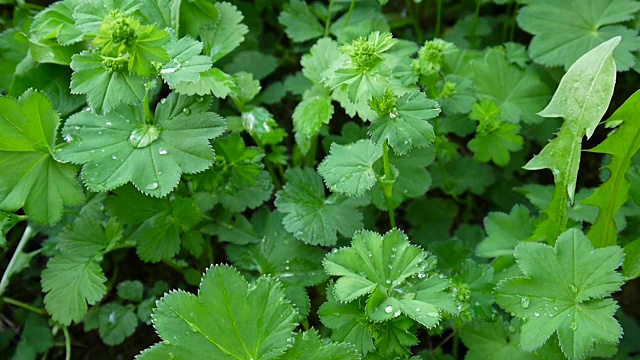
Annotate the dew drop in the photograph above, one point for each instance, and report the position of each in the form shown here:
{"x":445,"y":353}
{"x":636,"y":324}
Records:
{"x":574,"y":326}
{"x":113,"y":157}
{"x":67,"y":137}
{"x":388,"y":282}
{"x":536,"y":314}
{"x":397,"y":313}
{"x":555,"y":308}
{"x":163,"y":152}
{"x":186,"y":111}
{"x":573,"y":288}
{"x":108,"y":123}
{"x":421,"y":275}
{"x":524,"y":302}
{"x":418,"y":309}
{"x":163,"y":101}
{"x":388,"y":309}
{"x":154,"y":185}
{"x":433,"y":314}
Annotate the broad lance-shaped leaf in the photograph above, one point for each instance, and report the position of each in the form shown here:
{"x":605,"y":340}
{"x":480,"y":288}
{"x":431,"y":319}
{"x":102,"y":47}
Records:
{"x":565,"y":290}
{"x":229,"y":319}
{"x":349,"y":168}
{"x":581,"y":99}
{"x":31,"y":178}
{"x":312,"y":217}
{"x":622,"y":145}
{"x":121,"y":146}
{"x":394,"y":275}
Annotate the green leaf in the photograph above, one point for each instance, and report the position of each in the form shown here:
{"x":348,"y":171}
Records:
{"x":310,"y":216}
{"x":116,"y":323}
{"x":56,"y":22}
{"x":310,"y":114}
{"x":463,"y":174}
{"x":36,"y":182}
{"x":347,"y":322}
{"x":258,"y":64}
{"x":299,"y":22}
{"x":7,"y":221}
{"x":519,"y":94}
{"x":631,"y":265}
{"x":158,"y":238}
{"x":71,"y":282}
{"x":622,"y":145}
{"x":229,"y":319}
{"x":406,"y":126}
{"x":279,"y":254}
{"x":226,"y":34}
{"x":413,"y":179}
{"x":567,"y":290}
{"x":309,"y":346}
{"x":494,"y":341}
{"x":14,"y":47}
{"x":195,"y":16}
{"x":395,"y":273}
{"x":36,"y":337}
{"x":348,"y":169}
{"x":504,"y":232}
{"x":120,"y":147}
{"x":213,"y":81}
{"x":581,"y":99}
{"x":131,"y":290}
{"x":563,"y":31}
{"x":186,"y":64}
{"x":319,"y":59}
{"x":495,"y":139}
{"x":104,"y":89}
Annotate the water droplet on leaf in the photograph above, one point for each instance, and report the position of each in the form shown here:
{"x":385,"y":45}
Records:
{"x":388,"y":309}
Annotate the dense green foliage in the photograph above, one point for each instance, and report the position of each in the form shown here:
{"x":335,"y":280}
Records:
{"x":320,"y":180}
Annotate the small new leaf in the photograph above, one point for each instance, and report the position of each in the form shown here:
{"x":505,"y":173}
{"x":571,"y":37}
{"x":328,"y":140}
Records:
{"x":299,"y":22}
{"x":565,"y":290}
{"x":405,"y":125}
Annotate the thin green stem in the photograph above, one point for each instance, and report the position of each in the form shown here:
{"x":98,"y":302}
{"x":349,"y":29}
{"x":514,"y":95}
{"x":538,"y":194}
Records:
{"x":438,"y":16}
{"x":25,"y":306}
{"x":415,"y":21}
{"x":310,"y":158}
{"x":26,"y":235}
{"x":474,"y":30}
{"x":148,"y":116}
{"x":512,"y":29}
{"x":67,"y":343}
{"x":387,"y":186}
{"x":349,"y":13}
{"x":327,"y":24}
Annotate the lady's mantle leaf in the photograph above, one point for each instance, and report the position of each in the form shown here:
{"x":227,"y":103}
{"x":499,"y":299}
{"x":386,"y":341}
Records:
{"x":229,"y":319}
{"x":299,"y":22}
{"x":405,"y":126}
{"x":31,"y":177}
{"x":519,"y":93}
{"x":393,"y":271}
{"x":309,"y":346}
{"x":581,"y":99}
{"x":349,"y":169}
{"x":104,"y":88}
{"x":564,"y":30}
{"x":310,"y":216}
{"x":622,"y":144}
{"x":566,"y":290}
{"x":116,"y":323}
{"x":121,"y":147}
{"x":186,"y":62}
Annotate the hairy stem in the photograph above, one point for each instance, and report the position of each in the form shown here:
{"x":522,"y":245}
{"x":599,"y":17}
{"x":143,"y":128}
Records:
{"x":67,"y":343}
{"x":26,"y":235}
{"x":327,"y":24}
{"x":25,"y":306}
{"x":387,"y":187}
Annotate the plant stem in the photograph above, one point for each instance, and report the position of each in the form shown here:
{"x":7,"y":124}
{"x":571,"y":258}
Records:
{"x":438,"y":16}
{"x":474,"y":30}
{"x":327,"y":24}
{"x":349,"y":13}
{"x":310,"y":158}
{"x":415,"y":21}
{"x":387,"y":186}
{"x":26,"y":235}
{"x":25,"y":306}
{"x":67,"y":343}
